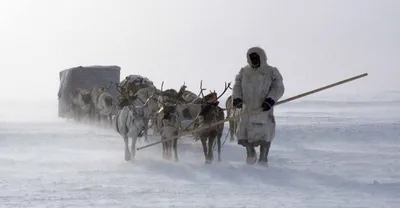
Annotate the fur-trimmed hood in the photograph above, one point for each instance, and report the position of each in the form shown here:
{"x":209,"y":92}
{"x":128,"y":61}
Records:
{"x":260,"y":52}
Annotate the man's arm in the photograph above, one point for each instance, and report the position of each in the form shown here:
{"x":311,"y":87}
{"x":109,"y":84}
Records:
{"x":237,"y":87}
{"x":277,"y":88}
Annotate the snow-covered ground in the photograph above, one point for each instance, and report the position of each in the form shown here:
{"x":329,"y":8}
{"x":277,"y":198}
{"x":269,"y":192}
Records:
{"x":325,"y":154}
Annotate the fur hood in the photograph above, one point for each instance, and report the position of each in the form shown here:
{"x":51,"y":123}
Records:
{"x":260,"y":52}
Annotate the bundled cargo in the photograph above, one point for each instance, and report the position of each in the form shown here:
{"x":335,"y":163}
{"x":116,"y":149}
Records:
{"x":128,"y":87}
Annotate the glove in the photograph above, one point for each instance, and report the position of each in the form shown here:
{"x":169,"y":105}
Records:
{"x":237,"y":103}
{"x":267,"y":104}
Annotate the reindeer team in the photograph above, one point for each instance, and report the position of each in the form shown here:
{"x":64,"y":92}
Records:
{"x":131,"y":113}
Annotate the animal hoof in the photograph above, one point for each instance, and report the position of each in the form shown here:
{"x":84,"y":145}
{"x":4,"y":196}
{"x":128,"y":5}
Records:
{"x":219,"y":160}
{"x":127,"y":157}
{"x":208,"y":162}
{"x":263,"y":163}
{"x":251,"y":160}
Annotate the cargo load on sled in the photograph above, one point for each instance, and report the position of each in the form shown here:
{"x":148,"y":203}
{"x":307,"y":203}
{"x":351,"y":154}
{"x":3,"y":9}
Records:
{"x":89,"y":77}
{"x":128,"y":87}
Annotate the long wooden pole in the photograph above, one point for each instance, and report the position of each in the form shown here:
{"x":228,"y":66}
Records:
{"x":258,"y":110}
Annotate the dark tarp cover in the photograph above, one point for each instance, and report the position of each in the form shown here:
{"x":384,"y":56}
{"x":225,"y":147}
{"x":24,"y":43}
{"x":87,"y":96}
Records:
{"x":86,"y":77}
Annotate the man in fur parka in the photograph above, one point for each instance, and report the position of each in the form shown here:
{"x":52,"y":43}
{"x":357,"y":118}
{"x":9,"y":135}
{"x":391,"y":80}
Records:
{"x":258,"y":85}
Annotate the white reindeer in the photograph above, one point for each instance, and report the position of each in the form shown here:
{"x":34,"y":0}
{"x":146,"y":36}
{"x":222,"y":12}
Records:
{"x":102,"y":105}
{"x":129,"y":122}
{"x":148,"y":94}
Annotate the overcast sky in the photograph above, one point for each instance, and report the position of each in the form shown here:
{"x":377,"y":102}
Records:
{"x":312,"y":42}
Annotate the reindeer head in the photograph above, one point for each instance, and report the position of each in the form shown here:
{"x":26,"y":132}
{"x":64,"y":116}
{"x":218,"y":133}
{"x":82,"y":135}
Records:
{"x":212,"y":97}
{"x":165,"y":100}
{"x":108,"y":100}
{"x":137,"y":112}
{"x":151,"y":103}
{"x":210,"y":109}
{"x":169,"y":110}
{"x":86,"y":97}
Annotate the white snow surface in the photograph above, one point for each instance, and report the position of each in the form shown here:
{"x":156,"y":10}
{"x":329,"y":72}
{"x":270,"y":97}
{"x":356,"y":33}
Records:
{"x":325,"y":154}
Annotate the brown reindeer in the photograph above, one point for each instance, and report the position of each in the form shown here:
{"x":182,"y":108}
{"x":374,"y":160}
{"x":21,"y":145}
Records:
{"x":209,"y":114}
{"x":186,"y":111}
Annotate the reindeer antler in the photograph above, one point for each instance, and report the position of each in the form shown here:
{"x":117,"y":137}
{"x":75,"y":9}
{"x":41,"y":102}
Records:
{"x":118,"y":88}
{"x":226,"y":88}
{"x":109,"y":85}
{"x":162,"y":85}
{"x":201,"y":89}
{"x":162,"y":96}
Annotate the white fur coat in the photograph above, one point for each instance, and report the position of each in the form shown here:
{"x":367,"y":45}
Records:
{"x":253,"y":86}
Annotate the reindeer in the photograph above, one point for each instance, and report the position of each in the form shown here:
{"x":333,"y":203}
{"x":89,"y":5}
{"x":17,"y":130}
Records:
{"x":149,"y":93}
{"x":209,"y":114}
{"x":81,"y":103}
{"x":129,"y":87}
{"x":170,"y":127}
{"x":129,"y":122}
{"x":190,"y":111}
{"x":102,"y":104}
{"x":170,"y":96}
{"x":185,"y":111}
{"x":232,"y":111}
{"x":180,"y":97}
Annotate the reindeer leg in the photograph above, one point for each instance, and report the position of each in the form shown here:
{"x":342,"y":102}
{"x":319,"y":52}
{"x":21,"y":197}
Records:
{"x":76,"y":114}
{"x":231,"y":130}
{"x":98,"y":117}
{"x":91,"y":114}
{"x":133,"y":146}
{"x":176,"y":149}
{"x":79,"y":116}
{"x":164,"y":148}
{"x":204,"y":143}
{"x":219,"y":147}
{"x":105,"y":118}
{"x":169,"y":150}
{"x":211,"y":140}
{"x":236,"y":127}
{"x":146,"y":128}
{"x":127,"y":152}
